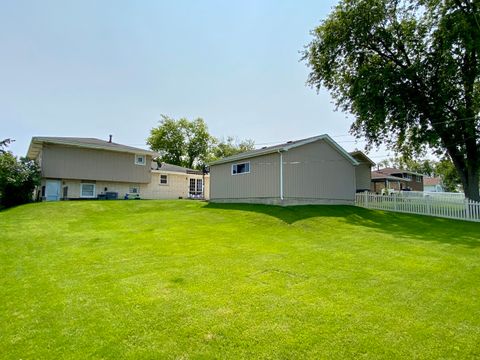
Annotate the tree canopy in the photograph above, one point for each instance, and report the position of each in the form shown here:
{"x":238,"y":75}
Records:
{"x":181,"y":142}
{"x":230,"y":146}
{"x":188,"y":143}
{"x":410,"y":73}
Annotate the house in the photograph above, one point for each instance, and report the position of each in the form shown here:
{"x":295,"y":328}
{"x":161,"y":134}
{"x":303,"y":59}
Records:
{"x":396,"y":179}
{"x":315,"y":170}
{"x":89,"y":168}
{"x":432,"y":184}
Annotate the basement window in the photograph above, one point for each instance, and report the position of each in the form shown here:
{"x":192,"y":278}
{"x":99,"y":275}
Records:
{"x":134,"y":189}
{"x":87,"y":190}
{"x":241,"y":168}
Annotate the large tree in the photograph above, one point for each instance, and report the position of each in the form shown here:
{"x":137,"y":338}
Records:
{"x":409,"y":71}
{"x":181,"y":142}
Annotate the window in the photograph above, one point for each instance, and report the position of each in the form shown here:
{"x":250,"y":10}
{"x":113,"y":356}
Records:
{"x":242,"y":168}
{"x":134,"y":189}
{"x":199,"y":186}
{"x":163,"y":180}
{"x":419,"y":178}
{"x":87,"y":190}
{"x":196,"y":188}
{"x":139,"y":159}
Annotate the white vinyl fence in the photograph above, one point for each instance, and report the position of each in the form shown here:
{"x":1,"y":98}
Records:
{"x":449,"y":208}
{"x":444,"y":196}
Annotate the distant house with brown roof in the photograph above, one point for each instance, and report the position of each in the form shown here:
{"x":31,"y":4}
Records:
{"x":432,"y":184}
{"x":396,"y":179}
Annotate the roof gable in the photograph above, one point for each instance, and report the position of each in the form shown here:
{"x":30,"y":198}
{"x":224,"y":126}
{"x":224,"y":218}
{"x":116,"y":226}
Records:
{"x":285,"y":147}
{"x":361,"y":157}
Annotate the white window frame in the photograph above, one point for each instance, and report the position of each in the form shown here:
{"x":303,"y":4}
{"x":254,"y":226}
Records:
{"x":85,"y":196}
{"x":140,"y":163}
{"x":166,"y":179}
{"x":131,"y":187}
{"x":242,"y":163}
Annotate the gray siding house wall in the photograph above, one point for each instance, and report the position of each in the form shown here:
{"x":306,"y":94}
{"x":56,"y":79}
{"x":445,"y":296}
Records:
{"x":262,"y":183}
{"x":65,"y":162}
{"x":309,"y":171}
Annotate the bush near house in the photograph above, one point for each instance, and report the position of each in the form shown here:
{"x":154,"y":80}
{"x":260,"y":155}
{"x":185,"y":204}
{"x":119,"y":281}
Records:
{"x":190,"y":280}
{"x":18,"y":178}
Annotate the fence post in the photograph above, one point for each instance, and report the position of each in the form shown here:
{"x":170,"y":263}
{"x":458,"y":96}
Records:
{"x":366,"y":199}
{"x":429,"y":206}
{"x":467,"y":208}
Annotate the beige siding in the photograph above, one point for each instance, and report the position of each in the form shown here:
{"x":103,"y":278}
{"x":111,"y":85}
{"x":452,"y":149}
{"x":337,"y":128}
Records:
{"x":318,"y":171}
{"x":177,"y":187}
{"x":261,"y":182}
{"x":363,"y":174}
{"x":315,"y":173}
{"x":64,"y":162}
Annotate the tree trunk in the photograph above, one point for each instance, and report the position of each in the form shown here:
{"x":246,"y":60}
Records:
{"x":471,"y":184}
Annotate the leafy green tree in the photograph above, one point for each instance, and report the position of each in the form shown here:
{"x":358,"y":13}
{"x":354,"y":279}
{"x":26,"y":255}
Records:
{"x":198,"y":142}
{"x":410,"y":73}
{"x":230,"y":146}
{"x":169,"y":140}
{"x":18,"y":179}
{"x":181,"y":142}
{"x":446,"y":170}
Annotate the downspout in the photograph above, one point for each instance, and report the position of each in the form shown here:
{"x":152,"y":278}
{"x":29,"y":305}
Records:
{"x":281,"y":174}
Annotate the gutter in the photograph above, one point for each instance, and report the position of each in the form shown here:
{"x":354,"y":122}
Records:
{"x":281,"y":151}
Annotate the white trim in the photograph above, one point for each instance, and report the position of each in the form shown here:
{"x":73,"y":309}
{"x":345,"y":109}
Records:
{"x":94,"y":190}
{"x":240,"y":163}
{"x":144,"y":159}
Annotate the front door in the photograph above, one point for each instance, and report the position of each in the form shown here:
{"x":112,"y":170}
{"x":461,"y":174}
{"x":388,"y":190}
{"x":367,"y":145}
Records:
{"x":52,"y":190}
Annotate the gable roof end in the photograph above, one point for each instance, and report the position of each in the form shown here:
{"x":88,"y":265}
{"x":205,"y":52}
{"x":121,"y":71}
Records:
{"x":285,"y":147}
{"x":361,"y":157}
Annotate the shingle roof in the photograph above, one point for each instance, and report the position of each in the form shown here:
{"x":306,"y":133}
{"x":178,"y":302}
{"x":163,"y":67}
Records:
{"x":379,"y":175}
{"x":390,"y":171}
{"x":90,"y":143}
{"x":432,"y":181}
{"x":173,"y":168}
{"x":285,"y":147}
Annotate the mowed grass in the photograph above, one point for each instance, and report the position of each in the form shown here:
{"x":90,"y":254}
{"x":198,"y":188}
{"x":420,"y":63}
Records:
{"x":188,"y":280}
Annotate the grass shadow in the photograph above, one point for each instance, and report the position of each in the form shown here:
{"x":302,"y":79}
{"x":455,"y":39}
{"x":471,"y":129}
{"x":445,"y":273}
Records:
{"x":425,"y":228}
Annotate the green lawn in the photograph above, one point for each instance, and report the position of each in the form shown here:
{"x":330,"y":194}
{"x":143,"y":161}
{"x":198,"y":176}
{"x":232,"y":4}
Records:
{"x":188,"y":280}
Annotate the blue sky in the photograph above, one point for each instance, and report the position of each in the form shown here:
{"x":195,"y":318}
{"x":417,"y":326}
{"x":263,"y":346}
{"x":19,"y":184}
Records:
{"x":94,"y":68}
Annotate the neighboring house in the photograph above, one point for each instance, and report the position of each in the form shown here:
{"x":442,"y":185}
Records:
{"x":432,"y":184}
{"x":381,"y":181}
{"x":409,"y":180}
{"x":315,"y":170}
{"x":363,"y":172}
{"x":396,"y":179}
{"x":89,"y":168}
